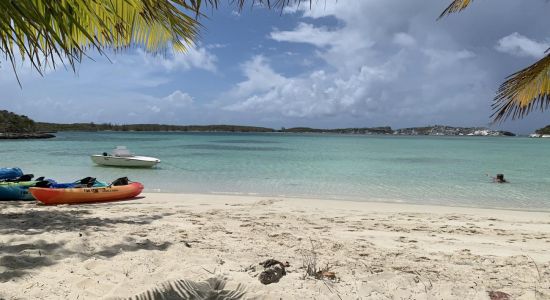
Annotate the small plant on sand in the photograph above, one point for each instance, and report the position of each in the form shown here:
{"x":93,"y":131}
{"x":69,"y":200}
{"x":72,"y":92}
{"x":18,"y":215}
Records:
{"x":311,"y":265}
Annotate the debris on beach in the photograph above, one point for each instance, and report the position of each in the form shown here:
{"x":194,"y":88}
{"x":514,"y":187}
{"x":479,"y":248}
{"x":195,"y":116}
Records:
{"x":273,"y":271}
{"x":310,"y":264}
{"x":497,"y":295}
{"x":325,"y":274}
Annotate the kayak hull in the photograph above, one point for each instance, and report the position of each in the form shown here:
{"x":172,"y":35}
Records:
{"x":130,"y":161}
{"x":16,"y":190}
{"x":52,"y":196}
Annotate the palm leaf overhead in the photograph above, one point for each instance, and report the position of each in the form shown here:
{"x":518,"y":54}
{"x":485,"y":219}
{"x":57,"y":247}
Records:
{"x":524,"y":91}
{"x":47,"y":32}
{"x":455,"y":6}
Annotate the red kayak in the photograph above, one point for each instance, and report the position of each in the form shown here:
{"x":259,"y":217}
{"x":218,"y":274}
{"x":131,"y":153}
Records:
{"x":52,"y":196}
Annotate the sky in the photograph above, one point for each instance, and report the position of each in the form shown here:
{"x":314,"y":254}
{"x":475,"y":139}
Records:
{"x":339,"y":64}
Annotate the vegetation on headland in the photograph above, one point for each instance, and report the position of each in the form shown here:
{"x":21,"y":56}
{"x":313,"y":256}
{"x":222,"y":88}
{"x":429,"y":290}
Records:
{"x":543,"y":131}
{"x":14,"y":123}
{"x":14,"y":126}
{"x":429,"y":130}
{"x":362,"y":130}
{"x":52,"y":127}
{"x":19,"y":126}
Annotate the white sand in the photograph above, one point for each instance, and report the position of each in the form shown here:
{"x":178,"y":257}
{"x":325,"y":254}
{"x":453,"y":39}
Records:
{"x":377,"y":250}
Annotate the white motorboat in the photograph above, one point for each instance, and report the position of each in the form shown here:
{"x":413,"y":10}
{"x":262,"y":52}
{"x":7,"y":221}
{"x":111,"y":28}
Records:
{"x":122,"y":157}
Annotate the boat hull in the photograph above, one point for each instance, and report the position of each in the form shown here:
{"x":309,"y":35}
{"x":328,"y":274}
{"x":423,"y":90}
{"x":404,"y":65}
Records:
{"x":51,"y":196}
{"x":133,"y":161}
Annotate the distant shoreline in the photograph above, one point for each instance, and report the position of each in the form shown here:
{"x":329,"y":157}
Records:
{"x":436,"y":130}
{"x":25,"y":136}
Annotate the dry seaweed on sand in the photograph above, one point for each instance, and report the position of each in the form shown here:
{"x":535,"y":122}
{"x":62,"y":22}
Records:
{"x":274,"y":270}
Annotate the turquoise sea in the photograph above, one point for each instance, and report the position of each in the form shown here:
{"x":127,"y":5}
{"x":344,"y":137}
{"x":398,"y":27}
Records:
{"x":412,"y":169}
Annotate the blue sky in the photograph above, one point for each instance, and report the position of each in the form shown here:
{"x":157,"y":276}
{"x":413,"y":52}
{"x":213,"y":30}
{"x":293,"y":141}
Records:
{"x":359,"y":63}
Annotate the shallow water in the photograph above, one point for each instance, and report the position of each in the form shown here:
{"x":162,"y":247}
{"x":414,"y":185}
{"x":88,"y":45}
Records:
{"x":426,"y":170}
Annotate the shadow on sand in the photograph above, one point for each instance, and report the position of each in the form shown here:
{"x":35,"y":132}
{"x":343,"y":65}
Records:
{"x":211,"y":289}
{"x":18,"y":256}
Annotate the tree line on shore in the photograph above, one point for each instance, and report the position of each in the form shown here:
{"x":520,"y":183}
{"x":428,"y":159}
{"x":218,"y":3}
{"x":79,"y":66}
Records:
{"x":12,"y":124}
{"x":52,"y":127}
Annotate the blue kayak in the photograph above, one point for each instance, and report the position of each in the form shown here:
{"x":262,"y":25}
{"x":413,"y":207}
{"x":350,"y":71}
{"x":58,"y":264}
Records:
{"x":10,"y":173}
{"x":20,"y":190}
{"x":16,"y":190}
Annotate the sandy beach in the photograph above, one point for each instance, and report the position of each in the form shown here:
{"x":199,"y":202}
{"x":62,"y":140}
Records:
{"x":375,"y":250}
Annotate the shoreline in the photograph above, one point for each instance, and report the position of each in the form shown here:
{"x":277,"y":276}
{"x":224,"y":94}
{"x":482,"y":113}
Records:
{"x":343,"y":199}
{"x":376,"y":250}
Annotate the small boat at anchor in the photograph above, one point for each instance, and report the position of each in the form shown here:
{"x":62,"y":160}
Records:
{"x":122,"y":157}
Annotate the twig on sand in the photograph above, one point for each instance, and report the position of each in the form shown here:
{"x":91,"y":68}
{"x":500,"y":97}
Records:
{"x":330,"y":290}
{"x":425,"y":286}
{"x":208,"y":270}
{"x":536,"y":266}
{"x":323,"y":274}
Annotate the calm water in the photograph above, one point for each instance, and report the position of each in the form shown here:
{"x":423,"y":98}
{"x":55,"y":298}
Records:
{"x":434,"y":170}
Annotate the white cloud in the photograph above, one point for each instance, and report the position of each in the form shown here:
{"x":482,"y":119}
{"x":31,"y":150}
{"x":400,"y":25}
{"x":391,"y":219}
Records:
{"x":441,"y":58}
{"x":260,"y":77}
{"x":314,"y":95}
{"x":194,"y":57}
{"x":179,"y":99}
{"x":519,"y":45}
{"x":216,"y":46}
{"x":365,"y":76}
{"x":336,"y":44}
{"x":154,"y":108}
{"x":306,"y":33}
{"x":404,"y":39}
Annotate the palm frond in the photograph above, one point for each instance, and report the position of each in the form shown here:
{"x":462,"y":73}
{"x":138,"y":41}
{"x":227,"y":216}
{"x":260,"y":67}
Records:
{"x":455,"y":6}
{"x":211,"y":289}
{"x":523,"y":91}
{"x":49,"y":32}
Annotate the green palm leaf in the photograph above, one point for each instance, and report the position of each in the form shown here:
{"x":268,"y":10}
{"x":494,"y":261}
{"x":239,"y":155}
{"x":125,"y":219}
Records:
{"x":49,"y":32}
{"x":455,"y":6}
{"x":524,"y":91}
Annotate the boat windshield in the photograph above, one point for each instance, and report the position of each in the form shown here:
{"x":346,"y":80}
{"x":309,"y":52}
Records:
{"x":122,"y":151}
